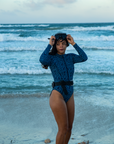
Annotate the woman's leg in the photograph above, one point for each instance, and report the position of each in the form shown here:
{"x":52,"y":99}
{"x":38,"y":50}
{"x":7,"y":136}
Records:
{"x":70,"y":111}
{"x":59,"y":110}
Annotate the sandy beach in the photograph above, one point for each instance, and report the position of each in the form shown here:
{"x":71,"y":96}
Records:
{"x":30,"y":121}
{"x":25,"y":114}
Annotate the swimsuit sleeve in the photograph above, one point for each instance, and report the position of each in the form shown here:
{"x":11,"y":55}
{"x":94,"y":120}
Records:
{"x":45,"y":58}
{"x":81,"y":57}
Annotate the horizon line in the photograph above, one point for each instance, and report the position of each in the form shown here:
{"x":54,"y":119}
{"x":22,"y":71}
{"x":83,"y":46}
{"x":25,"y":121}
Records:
{"x":58,"y":23}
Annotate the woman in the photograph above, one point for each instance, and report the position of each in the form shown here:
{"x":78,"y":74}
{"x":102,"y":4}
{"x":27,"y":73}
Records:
{"x":62,"y":68}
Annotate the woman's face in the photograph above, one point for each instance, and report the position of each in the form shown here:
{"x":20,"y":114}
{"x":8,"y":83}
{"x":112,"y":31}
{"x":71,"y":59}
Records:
{"x":61,"y":47}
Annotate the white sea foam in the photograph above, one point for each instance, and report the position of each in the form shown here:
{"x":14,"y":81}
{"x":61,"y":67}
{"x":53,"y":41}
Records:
{"x":5,"y":25}
{"x":90,"y":47}
{"x":42,"y":25}
{"x":16,"y":49}
{"x":14,"y":70}
{"x":18,"y":25}
{"x":30,"y":25}
{"x":104,"y":28}
{"x":17,"y":30}
{"x":10,"y":25}
{"x":15,"y":37}
{"x":102,"y":101}
{"x":95,"y":72}
{"x":19,"y":49}
{"x":27,"y":25}
{"x":95,"y":38}
{"x":98,"y":48}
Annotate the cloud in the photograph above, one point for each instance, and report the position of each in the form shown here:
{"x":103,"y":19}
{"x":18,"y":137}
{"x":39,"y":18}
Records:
{"x":8,"y":16}
{"x":11,"y":12}
{"x":59,"y":2}
{"x":36,"y":4}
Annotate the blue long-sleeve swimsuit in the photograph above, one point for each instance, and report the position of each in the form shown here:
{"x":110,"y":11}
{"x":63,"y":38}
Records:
{"x":62,"y":67}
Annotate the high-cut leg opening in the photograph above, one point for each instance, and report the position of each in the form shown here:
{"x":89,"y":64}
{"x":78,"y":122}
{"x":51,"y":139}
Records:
{"x":57,"y":91}
{"x":67,"y":99}
{"x":60,"y":90}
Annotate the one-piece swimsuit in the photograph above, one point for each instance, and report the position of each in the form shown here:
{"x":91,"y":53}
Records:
{"x":62,"y":67}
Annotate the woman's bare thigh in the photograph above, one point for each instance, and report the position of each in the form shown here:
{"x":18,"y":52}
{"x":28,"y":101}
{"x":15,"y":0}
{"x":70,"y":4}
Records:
{"x":59,"y":109}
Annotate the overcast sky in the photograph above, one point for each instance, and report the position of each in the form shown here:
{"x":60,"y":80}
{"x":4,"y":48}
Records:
{"x":56,"y":11}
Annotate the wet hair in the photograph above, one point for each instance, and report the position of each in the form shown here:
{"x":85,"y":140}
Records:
{"x":54,"y":50}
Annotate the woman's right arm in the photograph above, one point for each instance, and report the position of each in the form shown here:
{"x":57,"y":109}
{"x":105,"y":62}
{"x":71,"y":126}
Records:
{"x":45,"y":58}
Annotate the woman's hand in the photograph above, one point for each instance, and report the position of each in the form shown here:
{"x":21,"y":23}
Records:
{"x":52,"y":40}
{"x":70,"y":39}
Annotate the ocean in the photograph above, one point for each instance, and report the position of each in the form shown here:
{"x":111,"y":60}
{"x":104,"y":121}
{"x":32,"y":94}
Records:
{"x":25,"y":115}
{"x":21,"y":73}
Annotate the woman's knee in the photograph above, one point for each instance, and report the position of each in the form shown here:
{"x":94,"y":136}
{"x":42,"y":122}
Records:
{"x":63,"y":130}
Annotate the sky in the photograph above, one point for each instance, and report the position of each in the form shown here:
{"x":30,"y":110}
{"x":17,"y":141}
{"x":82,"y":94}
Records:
{"x":56,"y":11}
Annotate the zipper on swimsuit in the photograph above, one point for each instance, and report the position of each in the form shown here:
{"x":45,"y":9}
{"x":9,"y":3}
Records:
{"x":66,"y":67}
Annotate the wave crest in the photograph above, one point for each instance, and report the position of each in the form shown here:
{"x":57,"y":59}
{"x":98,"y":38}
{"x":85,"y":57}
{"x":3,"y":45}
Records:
{"x":95,"y":72}
{"x":16,"y":37}
{"x":19,"y":71}
{"x":43,"y":71}
{"x":97,"y":28}
{"x":95,"y":38}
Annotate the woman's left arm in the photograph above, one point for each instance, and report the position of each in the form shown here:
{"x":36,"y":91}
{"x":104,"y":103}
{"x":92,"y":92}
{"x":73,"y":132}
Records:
{"x":82,"y":55}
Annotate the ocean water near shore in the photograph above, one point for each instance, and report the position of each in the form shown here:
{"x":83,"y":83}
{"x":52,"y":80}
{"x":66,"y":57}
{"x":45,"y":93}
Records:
{"x":22,"y":44}
{"x":23,"y":81}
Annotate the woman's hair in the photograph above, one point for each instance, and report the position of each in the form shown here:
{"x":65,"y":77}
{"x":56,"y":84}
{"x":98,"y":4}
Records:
{"x":54,"y":50}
